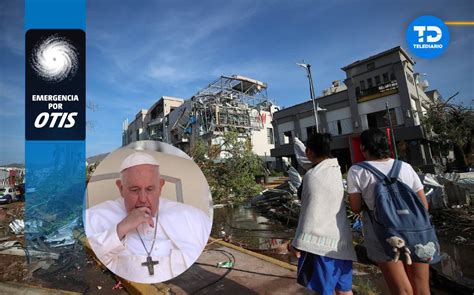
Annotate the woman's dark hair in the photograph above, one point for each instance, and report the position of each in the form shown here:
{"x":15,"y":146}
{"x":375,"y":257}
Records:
{"x":375,"y":142}
{"x":320,"y":143}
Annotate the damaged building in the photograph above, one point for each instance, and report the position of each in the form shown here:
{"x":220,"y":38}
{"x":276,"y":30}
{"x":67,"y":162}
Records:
{"x":359,"y":103}
{"x":233,"y":103}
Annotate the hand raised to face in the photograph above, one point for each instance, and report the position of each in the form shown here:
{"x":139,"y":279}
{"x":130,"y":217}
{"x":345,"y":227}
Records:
{"x":135,"y":218}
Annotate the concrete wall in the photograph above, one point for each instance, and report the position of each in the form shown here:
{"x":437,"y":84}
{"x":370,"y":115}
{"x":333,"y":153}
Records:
{"x":305,"y":123}
{"x":143,"y":118}
{"x":169,"y":103}
{"x":137,"y":125}
{"x":340,"y":117}
{"x":284,"y":127}
{"x":260,"y":143}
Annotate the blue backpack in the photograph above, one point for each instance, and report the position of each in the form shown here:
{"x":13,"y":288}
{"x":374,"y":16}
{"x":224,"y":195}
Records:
{"x":400,"y":220}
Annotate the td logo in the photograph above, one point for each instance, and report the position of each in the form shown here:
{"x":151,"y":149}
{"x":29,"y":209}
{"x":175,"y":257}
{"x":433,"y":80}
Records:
{"x":427,"y":36}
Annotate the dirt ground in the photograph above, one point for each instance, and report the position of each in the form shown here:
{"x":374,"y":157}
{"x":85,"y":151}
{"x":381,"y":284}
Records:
{"x":14,"y":268}
{"x":75,"y":270}
{"x":85,"y":276}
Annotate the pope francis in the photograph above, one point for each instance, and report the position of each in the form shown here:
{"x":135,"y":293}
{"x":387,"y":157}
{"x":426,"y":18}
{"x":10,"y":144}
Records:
{"x":140,"y":236}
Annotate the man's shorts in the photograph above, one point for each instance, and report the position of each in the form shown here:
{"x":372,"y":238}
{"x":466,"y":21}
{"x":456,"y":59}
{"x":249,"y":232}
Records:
{"x":323,"y":274}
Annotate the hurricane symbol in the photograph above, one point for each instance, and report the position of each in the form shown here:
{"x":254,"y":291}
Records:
{"x":55,"y":59}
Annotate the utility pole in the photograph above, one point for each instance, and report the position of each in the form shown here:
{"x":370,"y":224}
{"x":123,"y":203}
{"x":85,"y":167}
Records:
{"x":394,"y":143}
{"x":311,"y":92}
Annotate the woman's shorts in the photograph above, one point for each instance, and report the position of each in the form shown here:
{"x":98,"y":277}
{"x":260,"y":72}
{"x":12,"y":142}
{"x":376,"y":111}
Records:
{"x":375,"y":251}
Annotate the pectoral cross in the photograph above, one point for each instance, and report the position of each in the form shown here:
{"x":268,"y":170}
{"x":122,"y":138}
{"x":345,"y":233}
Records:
{"x":150,"y":263}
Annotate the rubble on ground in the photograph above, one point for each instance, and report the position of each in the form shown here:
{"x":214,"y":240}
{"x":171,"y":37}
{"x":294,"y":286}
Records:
{"x":454,"y":222}
{"x":51,"y":261}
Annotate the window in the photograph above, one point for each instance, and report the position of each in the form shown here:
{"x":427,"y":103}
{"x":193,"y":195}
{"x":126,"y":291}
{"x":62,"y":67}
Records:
{"x":385,"y":77}
{"x":152,"y":131}
{"x":377,"y":80}
{"x":369,"y":83}
{"x":137,"y":134}
{"x":287,"y":137}
{"x":362,"y":84}
{"x":310,"y":130}
{"x":370,"y":66}
{"x":380,"y":119}
{"x":410,"y":79}
{"x":339,"y":127}
{"x":270,"y":136}
{"x":392,"y":77}
{"x":332,"y":126}
{"x":336,"y":127}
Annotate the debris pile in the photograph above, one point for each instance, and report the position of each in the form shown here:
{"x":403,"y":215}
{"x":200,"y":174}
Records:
{"x":17,"y":226}
{"x":13,"y":257}
{"x":459,"y":188}
{"x":455,"y":223}
{"x":280,"y":202}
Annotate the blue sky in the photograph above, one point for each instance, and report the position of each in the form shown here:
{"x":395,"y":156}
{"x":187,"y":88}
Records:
{"x":138,"y":51}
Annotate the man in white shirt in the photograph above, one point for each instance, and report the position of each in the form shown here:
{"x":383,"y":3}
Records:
{"x":140,"y":236}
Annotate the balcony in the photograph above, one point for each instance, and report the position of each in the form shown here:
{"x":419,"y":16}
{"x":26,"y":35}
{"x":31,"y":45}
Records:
{"x":381,"y":90}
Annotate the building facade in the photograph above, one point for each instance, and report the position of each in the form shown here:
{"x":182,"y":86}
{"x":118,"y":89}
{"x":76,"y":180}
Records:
{"x":150,"y":124}
{"x":234,"y":103}
{"x":387,"y":78}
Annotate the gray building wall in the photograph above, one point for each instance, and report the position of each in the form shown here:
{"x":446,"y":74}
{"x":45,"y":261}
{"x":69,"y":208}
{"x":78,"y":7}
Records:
{"x":392,"y":67}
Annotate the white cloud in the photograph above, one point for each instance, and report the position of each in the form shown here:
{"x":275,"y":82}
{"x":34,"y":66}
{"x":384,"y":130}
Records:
{"x":176,"y":48}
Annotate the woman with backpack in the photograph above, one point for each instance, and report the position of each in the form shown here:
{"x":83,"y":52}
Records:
{"x":406,"y":269}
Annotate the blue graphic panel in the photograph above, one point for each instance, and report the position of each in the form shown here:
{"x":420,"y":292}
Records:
{"x":55,"y":186}
{"x":55,"y":14}
{"x":55,"y":160}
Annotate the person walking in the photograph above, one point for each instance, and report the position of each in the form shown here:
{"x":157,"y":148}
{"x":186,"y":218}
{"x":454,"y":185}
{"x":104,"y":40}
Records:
{"x":323,"y":239}
{"x":365,"y":185}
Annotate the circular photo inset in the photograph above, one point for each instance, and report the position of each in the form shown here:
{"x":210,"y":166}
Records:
{"x":149,"y":212}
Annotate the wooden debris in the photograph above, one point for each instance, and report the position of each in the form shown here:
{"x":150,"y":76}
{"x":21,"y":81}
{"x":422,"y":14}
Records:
{"x":22,"y":289}
{"x":32,"y":253}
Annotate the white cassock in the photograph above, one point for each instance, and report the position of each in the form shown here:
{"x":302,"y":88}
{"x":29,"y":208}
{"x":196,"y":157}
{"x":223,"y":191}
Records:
{"x":181,"y":236}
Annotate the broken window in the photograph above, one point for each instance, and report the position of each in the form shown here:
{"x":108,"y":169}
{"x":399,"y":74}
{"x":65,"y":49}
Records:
{"x":310,"y":130}
{"x":369,"y":83}
{"x":270,"y":136}
{"x":380,"y":119}
{"x":287,"y":137}
{"x":377,"y":80}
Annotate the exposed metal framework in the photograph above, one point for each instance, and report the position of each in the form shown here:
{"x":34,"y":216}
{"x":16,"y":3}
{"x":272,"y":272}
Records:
{"x":228,"y":102}
{"x":234,"y":90}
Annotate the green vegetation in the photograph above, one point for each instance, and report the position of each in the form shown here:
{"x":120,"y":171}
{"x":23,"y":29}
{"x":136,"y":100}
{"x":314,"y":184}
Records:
{"x":277,"y":173}
{"x":230,"y":168}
